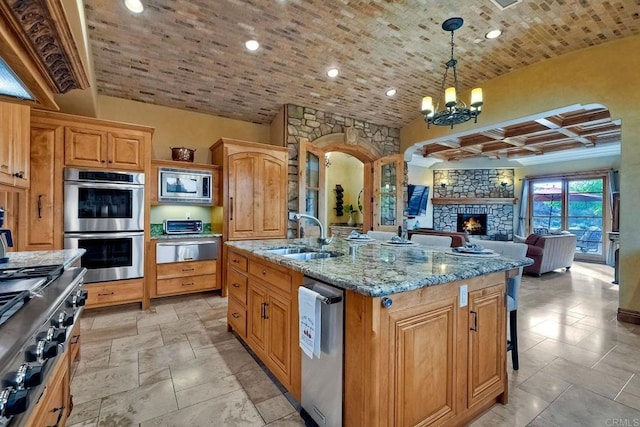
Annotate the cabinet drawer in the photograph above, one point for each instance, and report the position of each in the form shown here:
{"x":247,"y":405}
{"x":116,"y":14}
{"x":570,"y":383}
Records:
{"x":181,"y":285}
{"x":187,"y":268}
{"x":279,"y":278}
{"x":238,"y":261}
{"x":237,"y":318}
{"x":237,"y":285}
{"x":101,"y":294}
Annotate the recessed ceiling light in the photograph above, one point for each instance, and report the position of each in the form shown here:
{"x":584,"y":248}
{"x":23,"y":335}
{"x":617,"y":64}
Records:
{"x":333,"y":72}
{"x":493,"y":34}
{"x":391,"y":92}
{"x":252,"y":45}
{"x":134,"y":6}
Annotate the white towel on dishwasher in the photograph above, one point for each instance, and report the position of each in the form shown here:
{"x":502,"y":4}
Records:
{"x":310,"y":321}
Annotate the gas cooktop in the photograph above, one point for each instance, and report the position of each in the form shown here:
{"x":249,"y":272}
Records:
{"x":50,"y":272}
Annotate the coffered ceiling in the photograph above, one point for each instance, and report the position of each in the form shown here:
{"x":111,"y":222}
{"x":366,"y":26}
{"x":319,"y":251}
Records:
{"x":190,"y":54}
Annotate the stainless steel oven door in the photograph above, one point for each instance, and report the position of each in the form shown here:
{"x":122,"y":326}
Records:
{"x":109,"y":256}
{"x":97,"y":206}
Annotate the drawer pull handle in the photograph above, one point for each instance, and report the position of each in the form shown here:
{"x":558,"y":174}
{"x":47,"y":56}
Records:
{"x":74,"y":339}
{"x":235,"y":315}
{"x":188,"y":269}
{"x":235,"y":285}
{"x":475,"y":321}
{"x":188,"y":259}
{"x":188,"y":284}
{"x":230,"y":208}
{"x":104,"y":294}
{"x":235,"y":261}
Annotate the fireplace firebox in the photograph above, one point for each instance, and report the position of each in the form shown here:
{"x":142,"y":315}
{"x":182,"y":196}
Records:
{"x":475,"y":224}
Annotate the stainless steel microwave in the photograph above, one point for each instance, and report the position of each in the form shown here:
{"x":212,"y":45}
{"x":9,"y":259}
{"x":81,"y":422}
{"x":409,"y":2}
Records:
{"x":184,"y":186}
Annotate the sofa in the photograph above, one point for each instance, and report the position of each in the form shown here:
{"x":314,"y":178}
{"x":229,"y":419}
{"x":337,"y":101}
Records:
{"x":457,"y":239}
{"x":550,"y":252}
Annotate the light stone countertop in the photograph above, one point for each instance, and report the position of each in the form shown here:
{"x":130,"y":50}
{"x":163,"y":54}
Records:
{"x":376,"y":270}
{"x":65,"y":257}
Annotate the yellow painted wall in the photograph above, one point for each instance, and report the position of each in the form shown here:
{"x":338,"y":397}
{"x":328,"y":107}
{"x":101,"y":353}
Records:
{"x":347,"y":171}
{"x":604,"y":74}
{"x":178,"y":128}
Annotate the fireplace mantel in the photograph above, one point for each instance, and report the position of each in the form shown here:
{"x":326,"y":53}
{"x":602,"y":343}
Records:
{"x":474,"y":200}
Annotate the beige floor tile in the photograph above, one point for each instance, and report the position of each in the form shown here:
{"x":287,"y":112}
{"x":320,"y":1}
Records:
{"x":544,"y":386}
{"x":581,"y":407}
{"x":292,"y":420}
{"x":114,"y":320}
{"x":87,"y":411}
{"x":106,"y":334}
{"x":157,"y":318}
{"x":198,"y":371}
{"x":257,"y":385}
{"x":633,"y":386}
{"x":138,"y":405}
{"x":209,"y":390}
{"x":522,"y":408}
{"x":592,"y":379}
{"x":234,"y":410}
{"x":621,"y":361}
{"x":561,"y":332}
{"x":191,"y":306}
{"x":569,"y":352}
{"x":151,"y":377}
{"x":103,"y":383}
{"x":162,"y":357}
{"x":87,"y":423}
{"x":147,"y":341}
{"x":490,"y":419}
{"x":86,"y":322}
{"x":119,"y":358}
{"x":275,"y":408}
{"x":93,"y":357}
{"x":629,"y":399}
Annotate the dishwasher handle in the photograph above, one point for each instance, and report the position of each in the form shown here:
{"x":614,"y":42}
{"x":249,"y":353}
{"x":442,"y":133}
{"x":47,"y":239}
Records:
{"x":326,"y":299}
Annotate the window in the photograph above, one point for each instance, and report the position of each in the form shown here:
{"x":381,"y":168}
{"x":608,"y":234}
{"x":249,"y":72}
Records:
{"x":571,"y":204}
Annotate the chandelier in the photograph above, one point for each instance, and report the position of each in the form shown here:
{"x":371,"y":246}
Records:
{"x":455,"y":111}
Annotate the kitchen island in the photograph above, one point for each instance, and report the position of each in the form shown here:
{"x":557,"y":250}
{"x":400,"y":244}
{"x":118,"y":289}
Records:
{"x":425,"y":329}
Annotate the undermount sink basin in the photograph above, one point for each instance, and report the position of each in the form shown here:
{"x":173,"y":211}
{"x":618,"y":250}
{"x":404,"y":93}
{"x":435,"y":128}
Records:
{"x":306,"y":256}
{"x":291,"y":250}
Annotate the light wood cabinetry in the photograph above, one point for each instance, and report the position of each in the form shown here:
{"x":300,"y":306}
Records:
{"x":152,"y":182}
{"x":14,"y":145}
{"x":263,"y":310}
{"x":97,"y":147}
{"x":113,"y":293}
{"x":254,"y":189}
{"x":185,"y":277}
{"x":41,"y":207}
{"x":425,"y":360}
{"x":54,"y":404}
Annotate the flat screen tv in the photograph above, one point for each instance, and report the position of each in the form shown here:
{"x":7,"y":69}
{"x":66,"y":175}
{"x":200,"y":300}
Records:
{"x":418,"y":195}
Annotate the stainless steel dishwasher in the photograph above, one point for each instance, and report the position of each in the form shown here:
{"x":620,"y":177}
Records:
{"x":322,"y":378}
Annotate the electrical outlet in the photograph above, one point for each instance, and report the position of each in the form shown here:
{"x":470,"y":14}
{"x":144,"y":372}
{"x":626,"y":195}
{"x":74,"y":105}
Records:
{"x":464,"y":292}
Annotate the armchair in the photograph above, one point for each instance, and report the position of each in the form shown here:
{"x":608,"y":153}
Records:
{"x":550,"y":252}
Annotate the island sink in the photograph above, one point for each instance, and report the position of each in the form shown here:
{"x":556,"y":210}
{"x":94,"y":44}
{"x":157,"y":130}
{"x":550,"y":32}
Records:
{"x":306,"y":256}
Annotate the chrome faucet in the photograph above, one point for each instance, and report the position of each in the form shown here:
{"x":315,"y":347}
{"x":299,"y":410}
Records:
{"x":323,"y":237}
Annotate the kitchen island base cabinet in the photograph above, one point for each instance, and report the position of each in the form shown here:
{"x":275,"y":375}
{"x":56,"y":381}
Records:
{"x":425,"y":360}
{"x":263,"y":311}
{"x":54,"y":404}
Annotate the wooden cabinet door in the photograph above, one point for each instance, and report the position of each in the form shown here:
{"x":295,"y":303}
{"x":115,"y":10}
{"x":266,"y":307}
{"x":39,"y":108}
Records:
{"x":257,"y":325}
{"x":243,"y":175}
{"x":85,"y":147}
{"x":271,"y":197}
{"x":14,"y":145}
{"x":6,"y":144}
{"x":388,"y":174}
{"x":487,"y":343}
{"x":424,"y":356}
{"x":21,"y":146}
{"x":43,"y":204}
{"x":125,"y":151}
{"x":278,"y":313}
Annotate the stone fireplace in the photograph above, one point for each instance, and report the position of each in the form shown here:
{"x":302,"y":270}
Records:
{"x":481,"y":198}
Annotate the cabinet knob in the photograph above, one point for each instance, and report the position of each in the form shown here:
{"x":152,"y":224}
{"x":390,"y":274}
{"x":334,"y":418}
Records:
{"x":264,"y":272}
{"x":235,"y":285}
{"x":386,"y":302}
{"x":235,"y":315}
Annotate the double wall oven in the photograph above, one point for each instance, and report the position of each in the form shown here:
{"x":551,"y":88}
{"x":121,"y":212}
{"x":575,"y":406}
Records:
{"x":104,"y":214}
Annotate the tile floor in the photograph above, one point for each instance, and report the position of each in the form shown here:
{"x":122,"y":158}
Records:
{"x":176,"y":365}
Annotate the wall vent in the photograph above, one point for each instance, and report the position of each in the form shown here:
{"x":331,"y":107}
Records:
{"x":503,"y":4}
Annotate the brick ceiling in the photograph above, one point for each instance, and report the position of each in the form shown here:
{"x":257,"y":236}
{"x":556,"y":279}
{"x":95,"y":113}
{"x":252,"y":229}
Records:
{"x":189,"y":54}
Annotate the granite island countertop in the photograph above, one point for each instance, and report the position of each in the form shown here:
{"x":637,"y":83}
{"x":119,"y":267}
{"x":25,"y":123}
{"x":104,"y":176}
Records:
{"x":66,"y":257}
{"x":376,"y":270}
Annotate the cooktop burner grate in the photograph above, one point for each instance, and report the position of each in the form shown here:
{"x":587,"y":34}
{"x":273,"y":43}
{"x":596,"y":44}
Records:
{"x":11,"y":302}
{"x":49,"y":271}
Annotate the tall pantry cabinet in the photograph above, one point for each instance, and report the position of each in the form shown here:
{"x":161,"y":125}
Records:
{"x":253,"y":190}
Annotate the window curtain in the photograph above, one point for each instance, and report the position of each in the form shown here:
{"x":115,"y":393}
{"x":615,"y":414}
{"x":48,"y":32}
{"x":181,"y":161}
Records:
{"x":612,"y":181}
{"x":524,"y":204}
